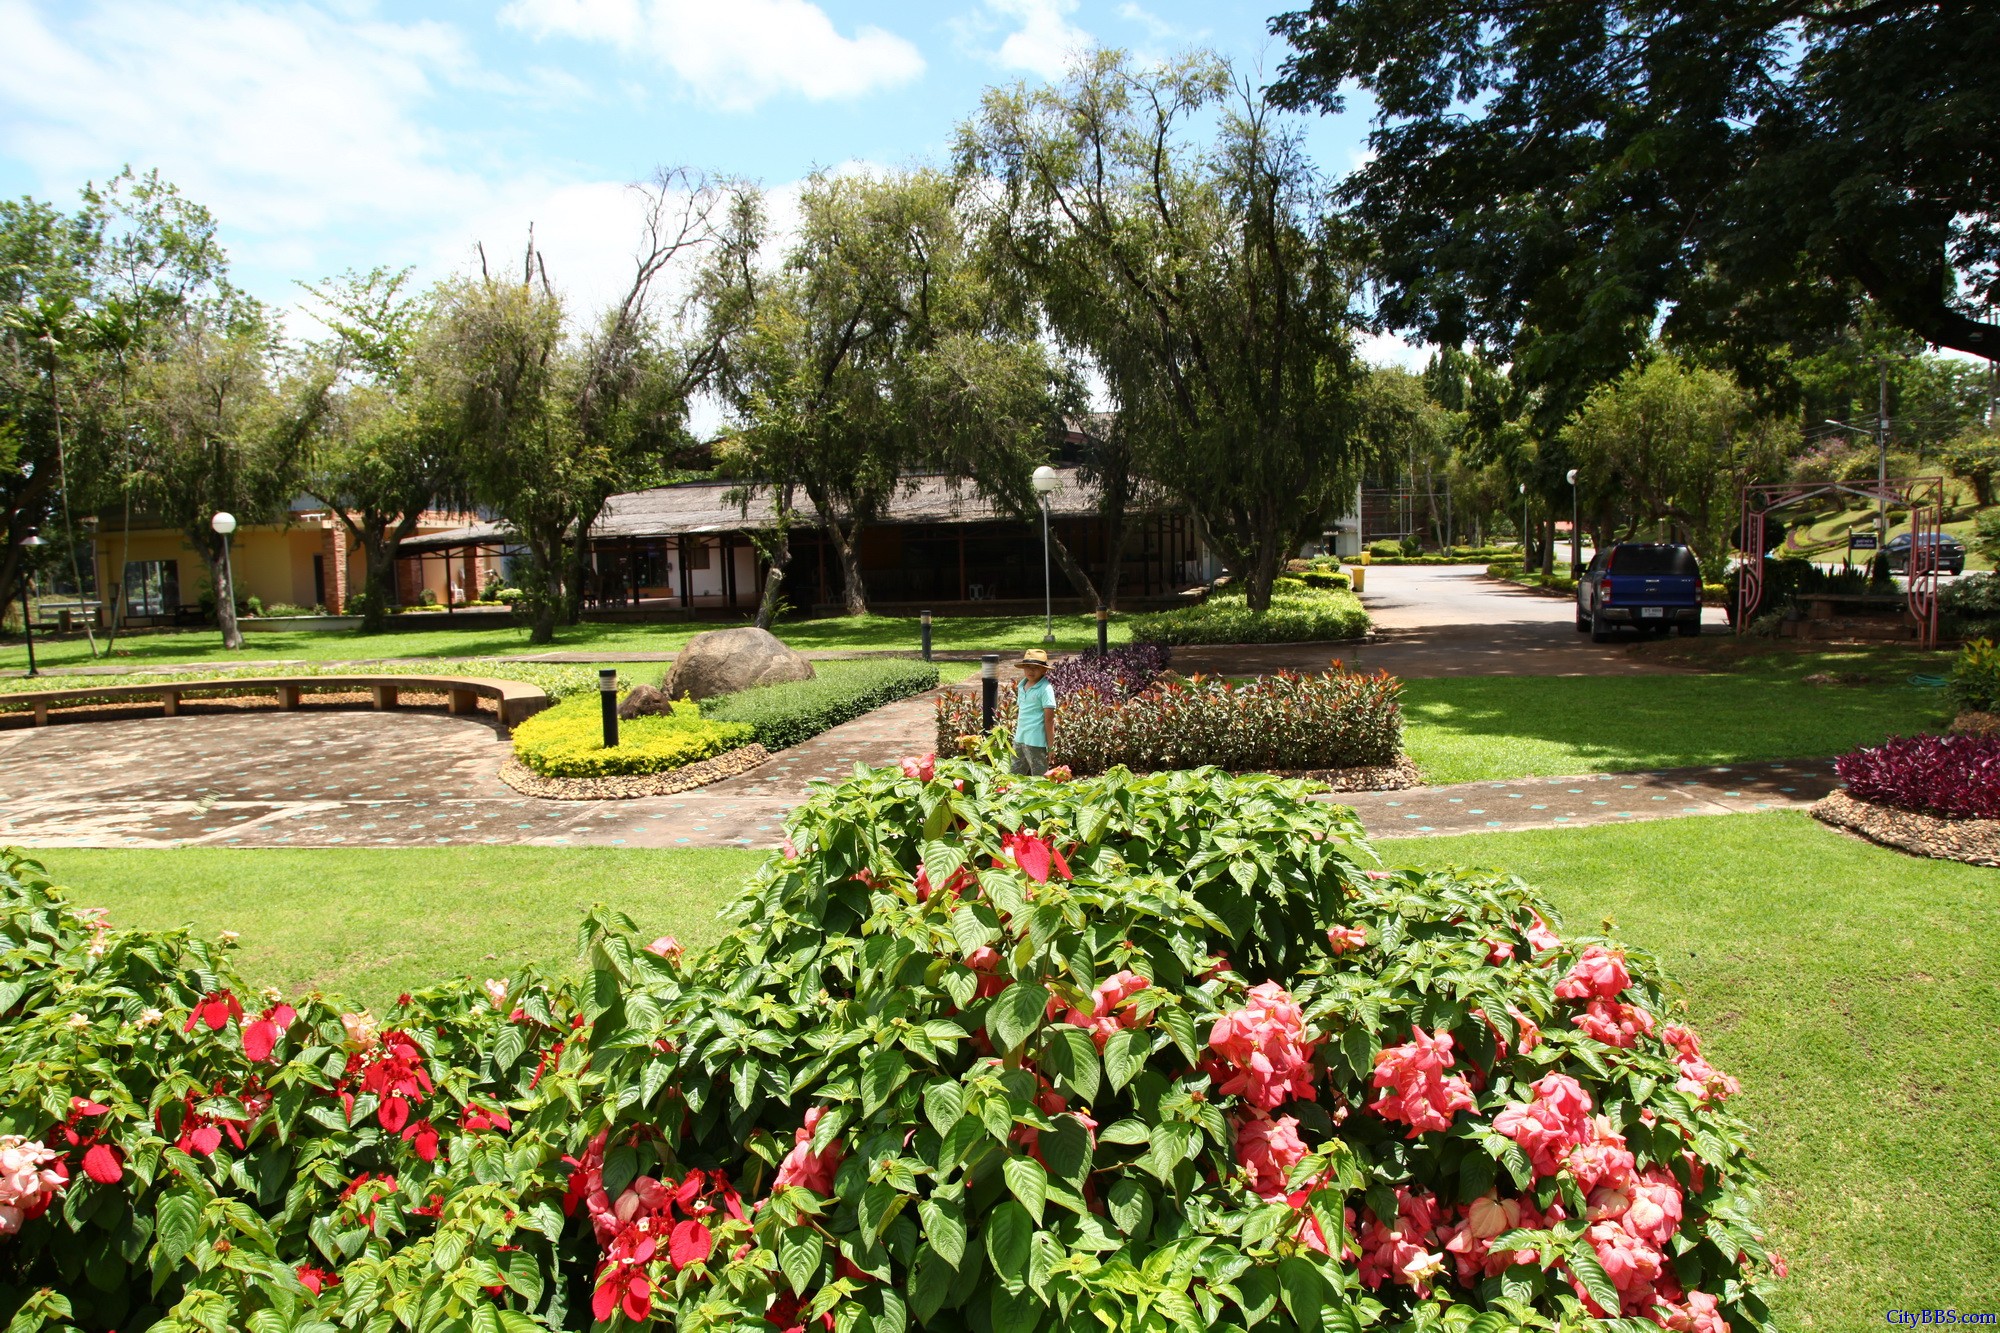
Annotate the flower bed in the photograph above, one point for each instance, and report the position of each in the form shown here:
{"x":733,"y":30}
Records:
{"x":979,"y":1053}
{"x":567,"y":741}
{"x":1339,"y":719}
{"x":1296,"y":615}
{"x":1955,"y":777}
{"x":1118,"y":674}
{"x":840,"y":691}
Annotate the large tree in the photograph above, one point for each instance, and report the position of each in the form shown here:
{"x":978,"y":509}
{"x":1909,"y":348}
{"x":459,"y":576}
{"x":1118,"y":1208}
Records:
{"x":1548,"y":178}
{"x":383,"y":453}
{"x":1198,"y":278}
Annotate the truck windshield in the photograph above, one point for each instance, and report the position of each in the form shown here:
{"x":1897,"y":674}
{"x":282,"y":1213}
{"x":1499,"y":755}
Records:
{"x":1676,"y":561}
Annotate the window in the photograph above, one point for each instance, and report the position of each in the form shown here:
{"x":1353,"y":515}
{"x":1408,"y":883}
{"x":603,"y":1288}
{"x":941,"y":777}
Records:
{"x":1676,"y":561}
{"x":696,"y":551}
{"x":152,"y":587}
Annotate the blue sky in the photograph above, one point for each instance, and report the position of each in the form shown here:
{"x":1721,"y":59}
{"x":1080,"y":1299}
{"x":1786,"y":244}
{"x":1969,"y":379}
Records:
{"x":329,"y":134}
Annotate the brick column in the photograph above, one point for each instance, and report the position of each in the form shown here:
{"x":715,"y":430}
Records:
{"x":336,"y":565}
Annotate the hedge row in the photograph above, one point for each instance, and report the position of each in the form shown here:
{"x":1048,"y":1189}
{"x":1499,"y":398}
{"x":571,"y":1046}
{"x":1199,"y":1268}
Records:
{"x":567,"y":741}
{"x":1304,"y":615}
{"x":1339,"y":719}
{"x":977,"y":1054}
{"x":841,"y":690}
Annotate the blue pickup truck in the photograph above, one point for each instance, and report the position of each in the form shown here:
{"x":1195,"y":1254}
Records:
{"x":1645,"y":586}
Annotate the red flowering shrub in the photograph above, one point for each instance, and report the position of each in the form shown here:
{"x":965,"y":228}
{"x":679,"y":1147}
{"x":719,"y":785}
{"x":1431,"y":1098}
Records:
{"x":1957,"y":777}
{"x":1336,"y":719}
{"x":1166,"y":1055}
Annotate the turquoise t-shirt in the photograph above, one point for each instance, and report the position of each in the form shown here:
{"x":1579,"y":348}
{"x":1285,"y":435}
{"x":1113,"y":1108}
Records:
{"x":1034,"y":702}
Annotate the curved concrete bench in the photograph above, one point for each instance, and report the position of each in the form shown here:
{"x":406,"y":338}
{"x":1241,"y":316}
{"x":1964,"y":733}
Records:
{"x":515,"y":700}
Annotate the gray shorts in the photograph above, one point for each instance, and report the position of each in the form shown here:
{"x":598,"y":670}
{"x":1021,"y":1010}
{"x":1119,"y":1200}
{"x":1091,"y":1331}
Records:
{"x":1031,"y":760}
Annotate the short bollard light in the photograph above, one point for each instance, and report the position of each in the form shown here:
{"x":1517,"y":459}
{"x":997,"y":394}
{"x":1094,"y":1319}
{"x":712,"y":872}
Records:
{"x":1103,"y":631}
{"x":927,"y":635}
{"x":989,"y":690}
{"x":607,"y":688}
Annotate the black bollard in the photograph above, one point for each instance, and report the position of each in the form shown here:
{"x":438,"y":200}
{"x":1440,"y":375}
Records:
{"x":1103,"y":631}
{"x":607,"y":688}
{"x":927,"y":636}
{"x":989,"y":690}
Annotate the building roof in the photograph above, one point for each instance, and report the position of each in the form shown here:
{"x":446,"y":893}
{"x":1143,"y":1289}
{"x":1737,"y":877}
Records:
{"x":715,"y":507}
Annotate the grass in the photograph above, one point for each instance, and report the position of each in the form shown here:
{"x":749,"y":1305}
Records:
{"x":1856,"y":994}
{"x":370,"y":922}
{"x":1474,"y":728}
{"x":948,"y":634}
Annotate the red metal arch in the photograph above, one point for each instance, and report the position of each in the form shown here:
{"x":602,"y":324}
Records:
{"x":1924,"y":497}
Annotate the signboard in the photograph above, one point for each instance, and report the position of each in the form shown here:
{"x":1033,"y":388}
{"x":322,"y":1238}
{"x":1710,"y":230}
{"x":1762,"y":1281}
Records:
{"x":1861,"y":541}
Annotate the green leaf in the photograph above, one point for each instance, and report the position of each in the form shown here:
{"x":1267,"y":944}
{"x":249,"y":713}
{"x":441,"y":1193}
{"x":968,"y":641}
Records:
{"x":1124,"y":1056}
{"x":1303,"y":1290}
{"x":1066,"y":1148}
{"x":507,"y":1048}
{"x":929,"y":1285}
{"x":944,"y":1228}
{"x":1131,"y":1205}
{"x":1127,"y":1131}
{"x":178,"y":1221}
{"x":885,"y":1072}
{"x":1009,"y":1232}
{"x":1257,"y":1290}
{"x":1014,"y":1014}
{"x":944,"y":1104}
{"x":1073,"y":1055}
{"x":1583,"y":1262}
{"x":799,"y":1252}
{"x":1028,"y":1182}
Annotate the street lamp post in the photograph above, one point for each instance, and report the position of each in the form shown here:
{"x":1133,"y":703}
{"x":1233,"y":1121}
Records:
{"x":224,"y":523}
{"x":1575,"y":532}
{"x":1524,"y":525}
{"x":31,"y":541}
{"x":1047,"y":480}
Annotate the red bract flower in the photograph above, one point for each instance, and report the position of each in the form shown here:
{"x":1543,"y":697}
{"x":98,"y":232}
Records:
{"x":689,"y":1243}
{"x":394,"y":1071}
{"x":1416,"y":1090}
{"x":1035,"y":856}
{"x":1548,"y":1127}
{"x":316,"y":1280}
{"x":477,"y":1118}
{"x":922,"y":769}
{"x":1598,"y":974}
{"x":421,"y":1135}
{"x":1343,"y":938}
{"x":804,"y":1167}
{"x":215,"y":1009}
{"x":1108,"y":1011}
{"x":261,"y":1037}
{"x":1614,"y":1024}
{"x":961,"y":880}
{"x":1261,"y":1052}
{"x":104,"y":1164}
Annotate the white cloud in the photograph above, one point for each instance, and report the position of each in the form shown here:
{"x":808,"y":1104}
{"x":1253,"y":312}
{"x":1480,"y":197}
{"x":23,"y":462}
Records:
{"x":1156,"y":27}
{"x":734,"y":55}
{"x":1045,"y":42}
{"x":1386,"y":349}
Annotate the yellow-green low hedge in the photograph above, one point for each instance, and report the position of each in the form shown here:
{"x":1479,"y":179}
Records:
{"x":567,"y":741}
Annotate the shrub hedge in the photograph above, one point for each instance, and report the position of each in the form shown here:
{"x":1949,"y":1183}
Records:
{"x":567,"y":741}
{"x":1974,"y":682}
{"x":1339,"y":719}
{"x":1302,"y":615}
{"x":1970,"y":606}
{"x":1957,"y":777}
{"x":977,"y":1054}
{"x":842,"y":690}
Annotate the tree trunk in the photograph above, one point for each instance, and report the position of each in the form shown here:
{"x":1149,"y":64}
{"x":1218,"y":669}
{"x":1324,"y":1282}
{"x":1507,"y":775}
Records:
{"x":1548,"y":540}
{"x":577,"y":560}
{"x":847,"y":546}
{"x":1079,"y":579}
{"x":545,"y":555}
{"x":1262,"y":571}
{"x":778,"y":559}
{"x":225,"y":594}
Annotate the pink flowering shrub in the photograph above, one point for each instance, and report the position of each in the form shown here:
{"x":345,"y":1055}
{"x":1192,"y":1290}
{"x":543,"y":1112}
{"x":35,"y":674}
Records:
{"x":976,"y":1052}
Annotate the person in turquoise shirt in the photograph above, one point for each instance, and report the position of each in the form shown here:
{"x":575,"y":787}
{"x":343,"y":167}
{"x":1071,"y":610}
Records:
{"x":1034,"y":700}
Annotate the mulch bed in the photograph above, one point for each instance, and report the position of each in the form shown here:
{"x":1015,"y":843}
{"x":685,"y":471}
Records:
{"x":686,"y":778}
{"x":1973,"y":841}
{"x":1382,"y":777}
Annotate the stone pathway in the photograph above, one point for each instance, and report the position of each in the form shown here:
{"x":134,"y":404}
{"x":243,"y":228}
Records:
{"x":343,"y":777}
{"x":1600,"y":798}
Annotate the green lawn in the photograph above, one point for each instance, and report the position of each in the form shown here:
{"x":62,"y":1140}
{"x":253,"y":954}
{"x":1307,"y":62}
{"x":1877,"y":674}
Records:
{"x":1855,"y":992}
{"x":1474,"y":728}
{"x":949,"y":633}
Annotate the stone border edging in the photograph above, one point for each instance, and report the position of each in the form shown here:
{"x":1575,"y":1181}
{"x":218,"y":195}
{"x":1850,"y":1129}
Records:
{"x":1971,"y":841}
{"x":624,"y":788}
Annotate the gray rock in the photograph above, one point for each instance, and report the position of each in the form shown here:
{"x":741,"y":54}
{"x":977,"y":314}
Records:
{"x":724,"y":661}
{"x":644,"y":701}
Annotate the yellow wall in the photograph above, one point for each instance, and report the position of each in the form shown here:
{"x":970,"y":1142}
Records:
{"x":270,"y":562}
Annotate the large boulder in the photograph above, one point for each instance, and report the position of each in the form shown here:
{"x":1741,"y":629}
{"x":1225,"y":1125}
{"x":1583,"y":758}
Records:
{"x":645,"y":701}
{"x":724,"y":661}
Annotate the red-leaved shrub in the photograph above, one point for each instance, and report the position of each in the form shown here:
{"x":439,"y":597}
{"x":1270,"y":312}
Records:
{"x":1954,"y":776}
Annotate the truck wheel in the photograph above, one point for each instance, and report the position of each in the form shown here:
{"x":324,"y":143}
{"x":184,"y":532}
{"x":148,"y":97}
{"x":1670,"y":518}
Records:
{"x":1582,"y":621}
{"x":1600,"y":629}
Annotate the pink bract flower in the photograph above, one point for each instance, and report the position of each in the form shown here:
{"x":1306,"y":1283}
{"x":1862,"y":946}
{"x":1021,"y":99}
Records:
{"x":32,"y":1175}
{"x":1106,"y":1013}
{"x":1269,"y":1149}
{"x":666,"y":947}
{"x":1060,"y":773}
{"x":922,"y":768}
{"x":1343,"y":938}
{"x":1547,"y":1128}
{"x":1540,"y":937}
{"x":1036,"y":856}
{"x":1398,"y":1251}
{"x":1469,"y":1241}
{"x":1698,"y":1315}
{"x":1704,"y":1082}
{"x":1499,"y":951}
{"x":1632,"y":1265}
{"x":1263,"y":1054}
{"x":1423,"y":1096}
{"x":1601,"y":1160}
{"x":1599,"y":973}
{"x":1615,"y":1024}
{"x":804,"y":1167}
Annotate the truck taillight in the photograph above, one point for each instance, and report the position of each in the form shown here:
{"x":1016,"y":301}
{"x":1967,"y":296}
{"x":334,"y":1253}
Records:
{"x":1605,"y":594}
